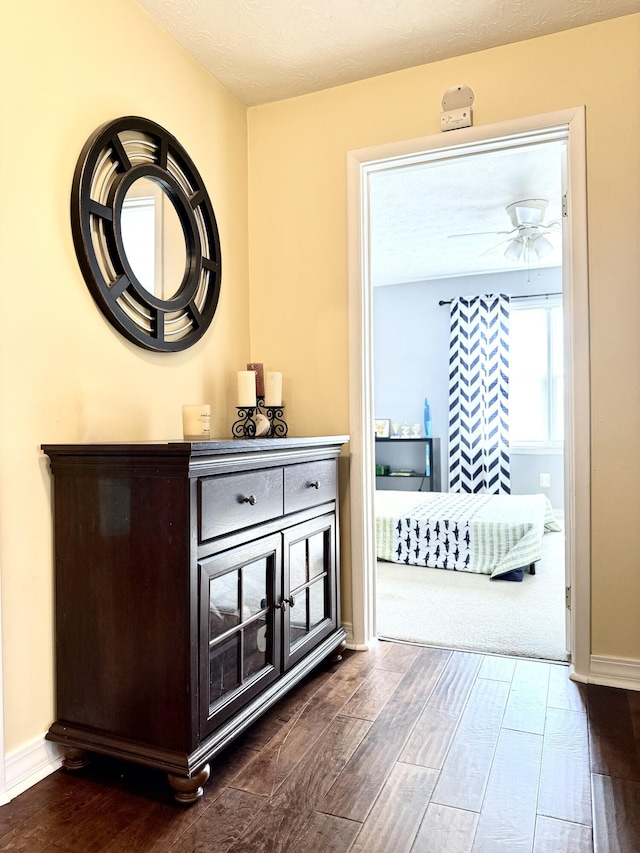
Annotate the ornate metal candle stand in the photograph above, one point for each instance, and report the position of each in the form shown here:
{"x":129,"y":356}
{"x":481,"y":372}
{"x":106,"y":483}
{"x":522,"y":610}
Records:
{"x":275,"y":414}
{"x":246,"y":427}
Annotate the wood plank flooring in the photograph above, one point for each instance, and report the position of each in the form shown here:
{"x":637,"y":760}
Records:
{"x":403,"y":749}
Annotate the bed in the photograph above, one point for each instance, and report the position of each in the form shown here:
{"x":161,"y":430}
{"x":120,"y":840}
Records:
{"x":497,"y":535}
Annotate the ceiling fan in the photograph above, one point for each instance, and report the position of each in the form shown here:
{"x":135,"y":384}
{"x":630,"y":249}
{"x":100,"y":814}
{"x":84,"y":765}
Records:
{"x":526,"y":241}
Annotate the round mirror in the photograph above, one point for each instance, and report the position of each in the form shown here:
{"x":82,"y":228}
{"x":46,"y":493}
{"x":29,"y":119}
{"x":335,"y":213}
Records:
{"x":153,"y":238}
{"x":145,"y":234}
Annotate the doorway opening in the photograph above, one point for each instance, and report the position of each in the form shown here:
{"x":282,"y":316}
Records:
{"x":446,"y":234}
{"x":363,"y":165}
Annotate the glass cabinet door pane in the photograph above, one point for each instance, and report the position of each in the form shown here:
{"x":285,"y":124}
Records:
{"x":254,"y":588}
{"x":317,"y":555}
{"x":310,"y":610}
{"x":298,"y":618}
{"x":256,"y":642}
{"x":223,"y":667}
{"x":224,"y":610}
{"x":317,"y":603}
{"x":297,"y":564}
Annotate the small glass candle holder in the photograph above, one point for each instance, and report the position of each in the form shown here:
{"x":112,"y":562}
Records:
{"x":196,"y":421}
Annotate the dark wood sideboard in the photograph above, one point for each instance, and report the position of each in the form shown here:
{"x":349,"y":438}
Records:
{"x":196,"y":583}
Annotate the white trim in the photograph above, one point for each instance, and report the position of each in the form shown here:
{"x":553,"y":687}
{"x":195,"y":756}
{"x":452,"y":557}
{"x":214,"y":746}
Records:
{"x":28,"y":765}
{"x":348,"y":627}
{"x":356,"y":647}
{"x":615,"y":672}
{"x":577,"y":482}
{"x":361,"y":413}
{"x":538,"y":450}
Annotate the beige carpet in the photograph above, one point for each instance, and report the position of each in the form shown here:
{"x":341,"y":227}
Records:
{"x":461,"y":610}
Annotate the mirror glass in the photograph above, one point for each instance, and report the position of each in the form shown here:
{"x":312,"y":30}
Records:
{"x":153,"y":238}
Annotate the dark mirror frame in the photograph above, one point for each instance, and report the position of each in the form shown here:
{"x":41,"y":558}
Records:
{"x":108,"y":165}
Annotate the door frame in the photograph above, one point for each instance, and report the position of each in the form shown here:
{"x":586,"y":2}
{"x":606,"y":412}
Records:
{"x":576,"y":309}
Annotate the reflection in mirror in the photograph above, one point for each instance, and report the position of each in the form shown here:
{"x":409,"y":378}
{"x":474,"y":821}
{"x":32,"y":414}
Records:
{"x":153,"y":238}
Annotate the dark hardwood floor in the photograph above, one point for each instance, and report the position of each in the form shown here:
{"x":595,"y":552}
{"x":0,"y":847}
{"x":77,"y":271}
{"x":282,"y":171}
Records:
{"x":403,"y":748}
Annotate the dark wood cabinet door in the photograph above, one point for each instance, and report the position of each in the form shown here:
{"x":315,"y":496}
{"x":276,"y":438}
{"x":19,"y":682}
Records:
{"x":240,"y":651}
{"x":309,"y":594}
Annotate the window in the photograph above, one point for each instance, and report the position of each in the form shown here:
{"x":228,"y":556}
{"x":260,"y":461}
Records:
{"x":536,"y":386}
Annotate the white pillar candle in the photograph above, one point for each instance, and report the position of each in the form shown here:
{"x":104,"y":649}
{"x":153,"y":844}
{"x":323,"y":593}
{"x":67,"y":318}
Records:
{"x":273,"y":389}
{"x":247,"y":388}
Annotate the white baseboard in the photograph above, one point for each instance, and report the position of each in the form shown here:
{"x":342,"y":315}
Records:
{"x":348,"y":627}
{"x":356,"y":647}
{"x":615,"y":672}
{"x":28,"y":765}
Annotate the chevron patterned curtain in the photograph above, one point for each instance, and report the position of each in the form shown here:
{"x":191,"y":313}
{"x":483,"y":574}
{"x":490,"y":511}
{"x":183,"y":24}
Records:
{"x":479,"y":396}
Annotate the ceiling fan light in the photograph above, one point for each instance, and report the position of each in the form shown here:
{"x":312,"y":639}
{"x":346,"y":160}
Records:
{"x":541,"y":246}
{"x":513,"y":251}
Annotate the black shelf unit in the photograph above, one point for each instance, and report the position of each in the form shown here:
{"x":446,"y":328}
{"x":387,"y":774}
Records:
{"x":409,"y":454}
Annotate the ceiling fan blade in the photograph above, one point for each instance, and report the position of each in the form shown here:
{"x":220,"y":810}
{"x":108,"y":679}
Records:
{"x":478,"y":234}
{"x":495,"y":246}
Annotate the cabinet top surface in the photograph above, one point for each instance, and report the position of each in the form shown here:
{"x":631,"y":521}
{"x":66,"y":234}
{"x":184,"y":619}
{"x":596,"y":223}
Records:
{"x":401,"y":440}
{"x":211,"y":447}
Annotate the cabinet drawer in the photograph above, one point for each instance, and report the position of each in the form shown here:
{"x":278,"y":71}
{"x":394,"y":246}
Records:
{"x":233,"y":501}
{"x":309,"y":484}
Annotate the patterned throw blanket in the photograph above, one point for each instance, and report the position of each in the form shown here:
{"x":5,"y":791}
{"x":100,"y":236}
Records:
{"x":488,"y":534}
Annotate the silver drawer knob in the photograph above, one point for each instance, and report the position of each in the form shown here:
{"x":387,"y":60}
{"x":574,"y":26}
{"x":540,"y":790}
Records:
{"x":252,"y":499}
{"x":314,"y":484}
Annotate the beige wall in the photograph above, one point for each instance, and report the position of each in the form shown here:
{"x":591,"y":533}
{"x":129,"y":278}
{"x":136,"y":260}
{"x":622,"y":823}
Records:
{"x":298,"y":252}
{"x":65,"y":374}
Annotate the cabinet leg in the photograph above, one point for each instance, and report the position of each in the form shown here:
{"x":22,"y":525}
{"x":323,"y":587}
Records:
{"x":336,"y":655}
{"x":75,"y":759}
{"x":189,"y":791}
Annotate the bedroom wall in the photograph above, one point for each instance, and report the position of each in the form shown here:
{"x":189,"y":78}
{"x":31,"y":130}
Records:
{"x":299,"y":263}
{"x":411,"y":361}
{"x":65,"y":374}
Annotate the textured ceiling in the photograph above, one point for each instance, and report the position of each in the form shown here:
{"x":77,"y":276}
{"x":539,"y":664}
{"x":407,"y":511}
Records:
{"x":267,"y":50}
{"x":415,"y":210}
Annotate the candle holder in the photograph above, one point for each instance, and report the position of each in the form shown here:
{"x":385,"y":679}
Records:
{"x":245,"y":426}
{"x":275,"y":414}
